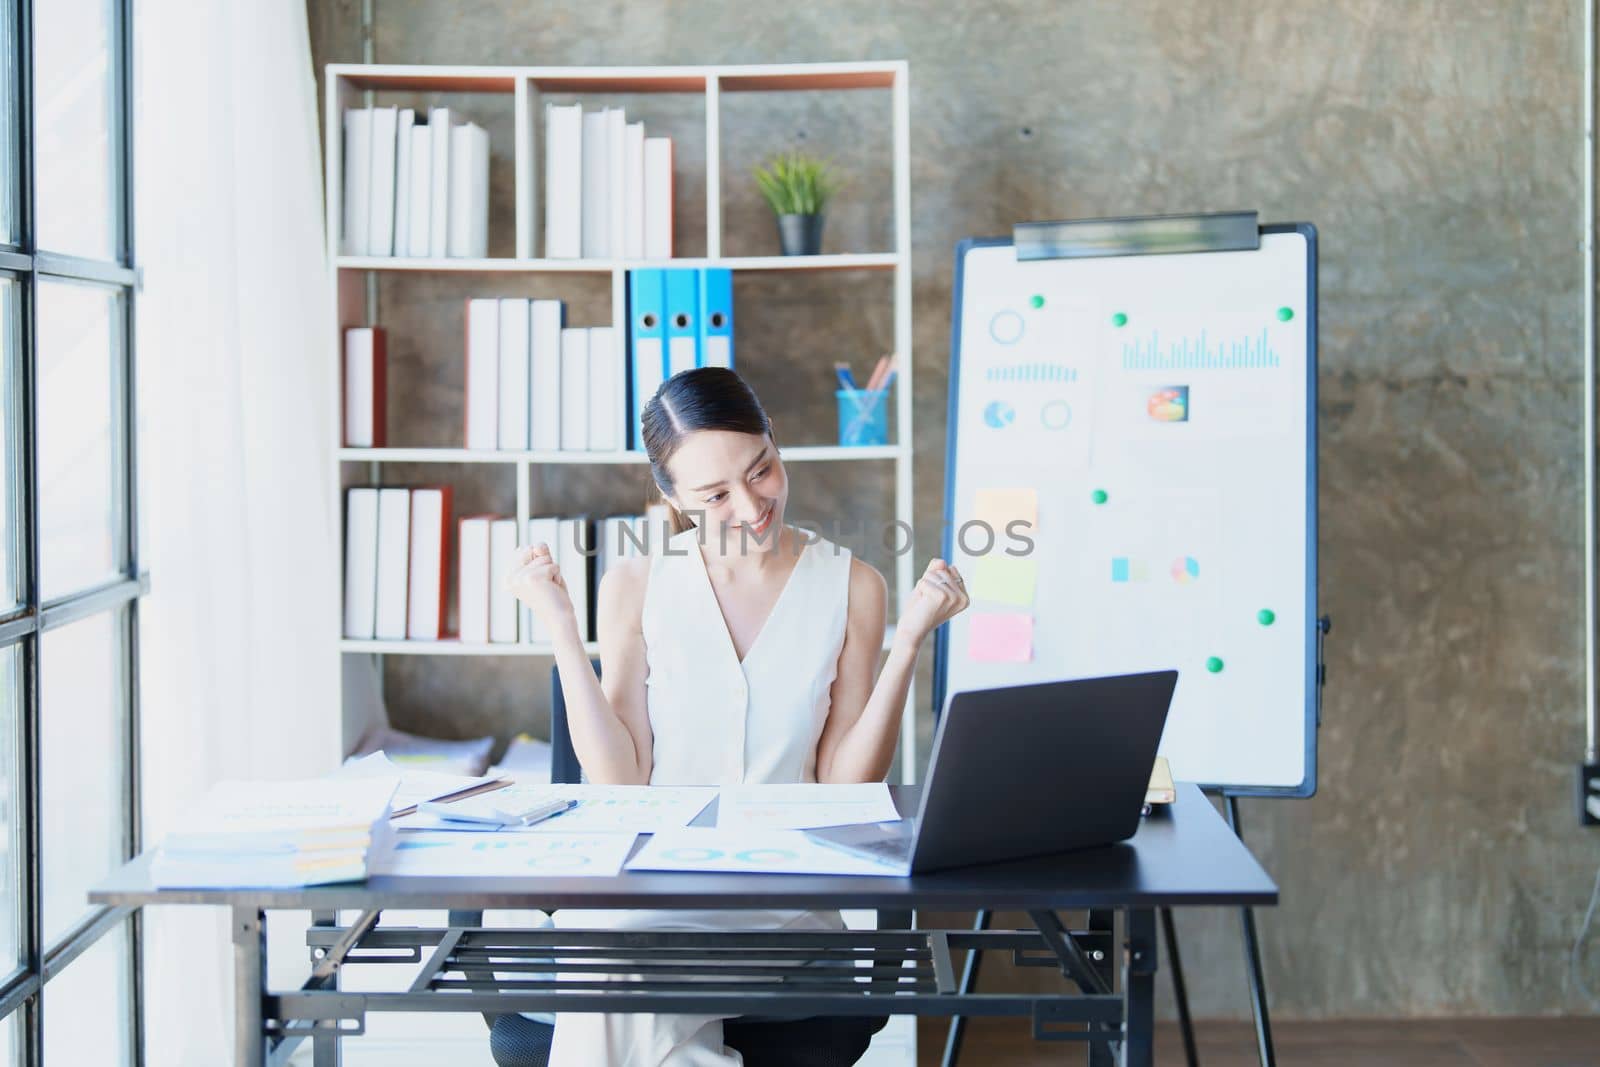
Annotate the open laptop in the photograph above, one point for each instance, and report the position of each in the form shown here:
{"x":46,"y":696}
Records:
{"x":1026,"y":770}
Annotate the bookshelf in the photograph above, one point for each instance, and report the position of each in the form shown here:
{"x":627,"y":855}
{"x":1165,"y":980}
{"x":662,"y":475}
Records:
{"x":346,"y":86}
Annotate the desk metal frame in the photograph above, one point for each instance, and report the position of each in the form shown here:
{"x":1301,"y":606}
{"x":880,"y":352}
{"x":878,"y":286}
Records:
{"x":1185,"y":857}
{"x":795,"y":974}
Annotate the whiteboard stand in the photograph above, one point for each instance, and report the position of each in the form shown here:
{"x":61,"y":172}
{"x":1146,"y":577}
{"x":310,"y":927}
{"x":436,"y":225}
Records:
{"x":1166,"y":235}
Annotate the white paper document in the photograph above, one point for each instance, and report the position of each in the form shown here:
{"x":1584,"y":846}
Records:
{"x":429,"y":854}
{"x":415,"y":786}
{"x":752,"y":852}
{"x":640,"y":809}
{"x":803,"y":807}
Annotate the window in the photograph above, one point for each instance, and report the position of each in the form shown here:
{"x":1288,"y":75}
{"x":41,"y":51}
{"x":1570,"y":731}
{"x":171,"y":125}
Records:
{"x":70,"y":579}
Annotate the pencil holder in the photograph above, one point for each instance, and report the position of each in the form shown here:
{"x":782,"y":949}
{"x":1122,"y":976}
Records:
{"x":863,"y":416}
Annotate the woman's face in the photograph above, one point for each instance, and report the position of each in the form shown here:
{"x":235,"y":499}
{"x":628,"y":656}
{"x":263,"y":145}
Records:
{"x":732,"y":479}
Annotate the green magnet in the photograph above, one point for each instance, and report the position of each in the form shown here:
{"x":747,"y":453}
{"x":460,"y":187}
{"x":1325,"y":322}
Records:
{"x":1099,"y":496}
{"x":1266,"y":616}
{"x":1037,"y":301}
{"x":1119,"y":319}
{"x":1214,"y":665}
{"x":1285,"y":314}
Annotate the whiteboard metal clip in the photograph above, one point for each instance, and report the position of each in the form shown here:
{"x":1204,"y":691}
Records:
{"x":1147,"y":235}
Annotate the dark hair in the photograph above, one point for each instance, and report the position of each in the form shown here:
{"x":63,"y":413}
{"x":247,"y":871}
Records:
{"x":706,"y":398}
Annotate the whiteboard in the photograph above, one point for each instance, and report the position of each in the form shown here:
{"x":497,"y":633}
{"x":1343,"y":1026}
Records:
{"x":1131,"y":486}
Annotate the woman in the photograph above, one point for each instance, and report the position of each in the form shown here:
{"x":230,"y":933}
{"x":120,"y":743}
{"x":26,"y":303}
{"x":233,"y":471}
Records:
{"x":742,"y":650}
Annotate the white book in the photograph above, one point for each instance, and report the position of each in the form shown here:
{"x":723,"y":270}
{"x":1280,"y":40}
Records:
{"x":540,"y":531}
{"x":483,"y":373}
{"x":469,"y":192}
{"x":515,"y":370}
{"x":618,"y":541}
{"x":606,"y":395}
{"x":360,"y":384}
{"x":394,"y":561}
{"x":425,"y":609}
{"x":573,"y":559}
{"x":633,"y":191}
{"x":616,"y":181}
{"x":563,"y":187}
{"x":472,"y":586}
{"x":439,"y":182}
{"x":402,"y":180}
{"x":596,"y":186}
{"x":380,"y":224}
{"x":312,"y":813}
{"x":360,"y":563}
{"x":502,"y":603}
{"x":575,"y":389}
{"x":417,"y":237}
{"x":544,"y":334}
{"x":658,"y":198}
{"x":357,"y":180}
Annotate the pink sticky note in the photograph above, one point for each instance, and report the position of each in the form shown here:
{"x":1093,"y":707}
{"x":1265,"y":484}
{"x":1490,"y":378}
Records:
{"x":995,"y":638}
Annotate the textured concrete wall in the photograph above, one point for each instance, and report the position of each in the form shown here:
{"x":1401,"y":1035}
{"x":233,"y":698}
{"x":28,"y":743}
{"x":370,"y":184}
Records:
{"x":1437,"y":146}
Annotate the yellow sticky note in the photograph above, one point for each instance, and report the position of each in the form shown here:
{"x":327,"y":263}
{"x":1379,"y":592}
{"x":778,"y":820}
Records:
{"x":1005,"y":579}
{"x":1000,"y":638}
{"x":1001,"y":507}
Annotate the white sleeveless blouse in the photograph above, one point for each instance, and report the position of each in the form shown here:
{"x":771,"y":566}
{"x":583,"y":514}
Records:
{"x":720,"y":721}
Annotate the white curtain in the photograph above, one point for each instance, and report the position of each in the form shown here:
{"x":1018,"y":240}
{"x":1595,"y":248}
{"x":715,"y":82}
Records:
{"x":240,"y":671}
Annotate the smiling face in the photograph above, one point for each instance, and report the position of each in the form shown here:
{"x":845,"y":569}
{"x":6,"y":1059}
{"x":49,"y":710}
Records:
{"x":730,"y":480}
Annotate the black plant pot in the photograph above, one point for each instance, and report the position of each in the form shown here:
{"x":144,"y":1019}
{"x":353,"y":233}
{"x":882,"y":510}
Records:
{"x":800,"y":235}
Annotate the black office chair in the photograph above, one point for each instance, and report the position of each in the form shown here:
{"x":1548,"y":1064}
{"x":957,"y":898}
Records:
{"x":821,"y":1041}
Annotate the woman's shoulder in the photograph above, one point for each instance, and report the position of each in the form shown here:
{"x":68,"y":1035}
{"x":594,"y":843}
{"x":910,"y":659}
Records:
{"x":867,"y":584}
{"x":623,"y":584}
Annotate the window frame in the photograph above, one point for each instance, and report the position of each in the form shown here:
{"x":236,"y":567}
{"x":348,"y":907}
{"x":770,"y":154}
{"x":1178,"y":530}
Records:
{"x":22,"y":626}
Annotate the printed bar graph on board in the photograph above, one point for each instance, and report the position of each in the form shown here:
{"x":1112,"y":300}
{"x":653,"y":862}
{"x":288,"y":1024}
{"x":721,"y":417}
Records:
{"x":1199,"y":352}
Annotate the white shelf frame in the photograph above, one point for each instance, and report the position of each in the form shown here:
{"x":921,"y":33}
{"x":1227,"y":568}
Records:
{"x":345,"y":85}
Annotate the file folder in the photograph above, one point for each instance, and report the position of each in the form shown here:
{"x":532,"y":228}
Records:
{"x":647,"y":357}
{"x":716,"y":317}
{"x":683,"y":315}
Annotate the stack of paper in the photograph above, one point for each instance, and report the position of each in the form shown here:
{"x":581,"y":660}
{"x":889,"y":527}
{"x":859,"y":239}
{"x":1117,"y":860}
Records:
{"x":418,"y":785}
{"x":411,"y":752}
{"x":804,"y":806}
{"x":526,"y":759}
{"x":605,"y":809}
{"x":290,"y":833}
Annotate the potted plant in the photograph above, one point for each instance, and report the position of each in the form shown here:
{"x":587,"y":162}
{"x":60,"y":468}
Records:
{"x":797,"y":187}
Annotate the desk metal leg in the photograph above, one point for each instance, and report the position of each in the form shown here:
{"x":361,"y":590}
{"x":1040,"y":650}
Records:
{"x":1102,"y":922}
{"x":249,"y":986}
{"x":1139,"y":989}
{"x":325,"y":1043}
{"x":1179,"y":992}
{"x":969,"y":979}
{"x":1252,"y":959}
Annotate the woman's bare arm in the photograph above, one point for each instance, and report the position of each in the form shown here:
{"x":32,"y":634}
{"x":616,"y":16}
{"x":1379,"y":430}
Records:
{"x":609,"y":726}
{"x":858,"y":741}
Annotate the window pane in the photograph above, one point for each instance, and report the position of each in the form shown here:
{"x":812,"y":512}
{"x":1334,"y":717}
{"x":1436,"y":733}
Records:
{"x":9,"y":1055}
{"x":10,"y":442}
{"x":8,"y":123}
{"x":73,"y":77}
{"x":86,"y":1006}
{"x":78,"y":332}
{"x":82,"y":778}
{"x":10,"y":808}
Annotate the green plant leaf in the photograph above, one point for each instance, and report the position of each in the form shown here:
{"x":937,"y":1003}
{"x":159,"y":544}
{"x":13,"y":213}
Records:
{"x":793,"y":183}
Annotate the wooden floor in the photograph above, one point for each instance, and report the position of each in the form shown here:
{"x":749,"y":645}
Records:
{"x":1565,"y":1042}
